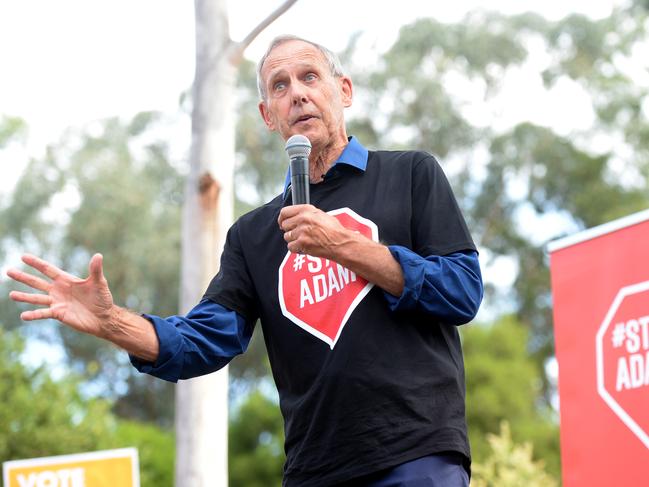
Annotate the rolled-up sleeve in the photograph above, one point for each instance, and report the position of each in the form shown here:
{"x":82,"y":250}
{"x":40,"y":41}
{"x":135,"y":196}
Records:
{"x":201,"y":342}
{"x":448,"y":287}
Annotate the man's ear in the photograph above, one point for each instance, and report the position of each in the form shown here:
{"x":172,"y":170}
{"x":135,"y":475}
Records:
{"x":346,"y":90}
{"x":263,"y":109}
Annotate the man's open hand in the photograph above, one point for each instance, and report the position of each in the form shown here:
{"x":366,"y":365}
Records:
{"x":82,"y":304}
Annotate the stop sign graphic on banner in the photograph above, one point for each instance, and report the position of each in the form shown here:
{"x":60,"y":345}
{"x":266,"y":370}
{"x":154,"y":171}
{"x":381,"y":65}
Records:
{"x":318,"y":294}
{"x":600,"y":293}
{"x":623,"y":358}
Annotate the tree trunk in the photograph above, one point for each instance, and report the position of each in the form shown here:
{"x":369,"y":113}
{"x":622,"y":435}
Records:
{"x":202,"y":403}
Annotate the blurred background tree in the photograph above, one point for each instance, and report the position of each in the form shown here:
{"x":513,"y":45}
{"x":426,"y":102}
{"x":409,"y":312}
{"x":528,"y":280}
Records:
{"x":42,"y":416}
{"x":122,"y":198}
{"x":504,"y":384}
{"x":256,"y":440}
{"x":510,"y":464}
{"x":114,"y":187}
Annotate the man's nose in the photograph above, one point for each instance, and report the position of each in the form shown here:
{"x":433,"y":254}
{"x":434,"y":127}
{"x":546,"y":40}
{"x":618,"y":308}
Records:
{"x":298,"y":94}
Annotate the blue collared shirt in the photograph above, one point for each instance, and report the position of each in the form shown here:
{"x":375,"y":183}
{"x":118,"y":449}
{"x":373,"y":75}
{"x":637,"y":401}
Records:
{"x":448,"y":287}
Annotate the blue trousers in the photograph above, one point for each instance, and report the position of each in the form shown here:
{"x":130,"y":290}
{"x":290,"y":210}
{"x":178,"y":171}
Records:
{"x":429,"y":471}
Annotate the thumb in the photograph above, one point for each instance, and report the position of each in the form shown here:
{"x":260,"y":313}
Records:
{"x":96,"y":267}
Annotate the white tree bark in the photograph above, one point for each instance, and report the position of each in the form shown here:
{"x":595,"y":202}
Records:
{"x":202,"y":403}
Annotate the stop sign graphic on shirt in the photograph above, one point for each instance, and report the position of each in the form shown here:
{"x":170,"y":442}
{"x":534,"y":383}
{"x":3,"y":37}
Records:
{"x":623,"y":358}
{"x":319,"y":295}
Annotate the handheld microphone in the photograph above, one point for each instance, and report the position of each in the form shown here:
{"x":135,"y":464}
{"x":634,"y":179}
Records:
{"x":298,"y":149}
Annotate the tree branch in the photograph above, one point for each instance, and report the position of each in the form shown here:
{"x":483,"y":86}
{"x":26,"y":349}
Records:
{"x":241,"y":46}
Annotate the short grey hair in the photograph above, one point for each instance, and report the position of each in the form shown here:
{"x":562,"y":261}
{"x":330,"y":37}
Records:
{"x":332,"y":59}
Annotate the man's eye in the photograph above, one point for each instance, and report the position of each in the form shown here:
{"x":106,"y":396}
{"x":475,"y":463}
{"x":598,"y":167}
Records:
{"x":280,"y":85}
{"x":310,"y":77}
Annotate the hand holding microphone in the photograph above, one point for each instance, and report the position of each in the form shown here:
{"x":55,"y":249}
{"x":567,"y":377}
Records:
{"x":307,"y":230}
{"x":298,"y":148}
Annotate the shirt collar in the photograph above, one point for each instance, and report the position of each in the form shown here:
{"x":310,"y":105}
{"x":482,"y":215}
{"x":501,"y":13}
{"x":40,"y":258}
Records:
{"x":354,"y":155}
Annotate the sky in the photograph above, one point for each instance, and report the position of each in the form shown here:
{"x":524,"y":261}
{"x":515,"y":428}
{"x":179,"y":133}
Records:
{"x":68,"y":62}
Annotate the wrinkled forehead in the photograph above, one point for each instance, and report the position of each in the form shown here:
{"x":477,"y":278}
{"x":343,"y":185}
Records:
{"x":292,"y":54}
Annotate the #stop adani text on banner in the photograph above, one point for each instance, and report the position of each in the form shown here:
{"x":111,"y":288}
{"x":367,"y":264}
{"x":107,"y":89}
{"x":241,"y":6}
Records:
{"x":600,"y":289}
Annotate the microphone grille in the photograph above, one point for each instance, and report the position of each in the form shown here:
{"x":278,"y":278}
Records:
{"x":298,"y":146}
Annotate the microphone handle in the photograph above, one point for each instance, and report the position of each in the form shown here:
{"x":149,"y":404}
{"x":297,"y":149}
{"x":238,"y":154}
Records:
{"x":300,"y":180}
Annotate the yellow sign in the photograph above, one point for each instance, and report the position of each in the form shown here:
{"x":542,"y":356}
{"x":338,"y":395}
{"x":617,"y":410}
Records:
{"x":108,"y":468}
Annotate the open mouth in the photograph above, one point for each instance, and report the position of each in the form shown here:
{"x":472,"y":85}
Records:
{"x":303,"y":118}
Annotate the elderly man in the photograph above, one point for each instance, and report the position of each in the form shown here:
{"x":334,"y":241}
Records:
{"x":380,"y":270}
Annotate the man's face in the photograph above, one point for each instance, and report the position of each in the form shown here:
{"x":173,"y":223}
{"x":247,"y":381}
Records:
{"x":302,"y":95}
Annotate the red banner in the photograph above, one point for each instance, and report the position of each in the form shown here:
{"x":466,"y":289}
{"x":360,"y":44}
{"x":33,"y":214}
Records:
{"x":600,"y":289}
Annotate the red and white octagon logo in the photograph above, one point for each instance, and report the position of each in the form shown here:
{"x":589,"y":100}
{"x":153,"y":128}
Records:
{"x":622,"y":346}
{"x":320,"y":295}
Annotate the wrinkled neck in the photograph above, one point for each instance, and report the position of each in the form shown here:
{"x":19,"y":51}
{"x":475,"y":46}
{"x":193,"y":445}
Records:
{"x":320,"y":161}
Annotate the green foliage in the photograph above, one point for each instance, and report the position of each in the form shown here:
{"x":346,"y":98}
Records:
{"x":410,"y":102}
{"x":22,"y":219}
{"x":130,"y":200}
{"x":108,"y":188}
{"x":11,"y":128}
{"x":155,"y":451}
{"x":129,"y":210}
{"x":509,"y":464}
{"x":40,"y":416}
{"x":503,"y":384}
{"x":256,"y":439}
{"x":556,"y":177}
{"x":551,"y":163}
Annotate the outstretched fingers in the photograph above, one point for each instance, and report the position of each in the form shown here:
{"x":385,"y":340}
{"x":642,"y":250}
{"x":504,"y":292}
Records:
{"x":29,"y":280}
{"x":37,"y":314}
{"x":40,"y":299}
{"x":42,"y":266}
